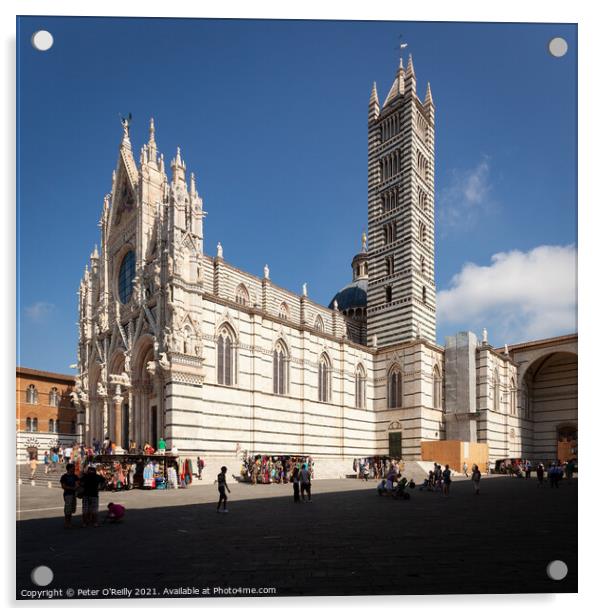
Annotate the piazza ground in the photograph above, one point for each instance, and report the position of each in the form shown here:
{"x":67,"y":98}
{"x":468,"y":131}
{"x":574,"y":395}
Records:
{"x":347,"y":541}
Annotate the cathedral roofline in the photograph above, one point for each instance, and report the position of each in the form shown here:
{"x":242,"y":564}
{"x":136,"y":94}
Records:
{"x":292,"y":324}
{"x":541,"y":342}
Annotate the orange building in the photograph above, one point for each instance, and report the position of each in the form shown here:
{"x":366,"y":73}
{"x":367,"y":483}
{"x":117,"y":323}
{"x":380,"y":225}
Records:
{"x":46,"y":416}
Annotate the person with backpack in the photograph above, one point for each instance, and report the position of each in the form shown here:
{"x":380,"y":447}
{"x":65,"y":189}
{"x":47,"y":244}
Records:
{"x":476,"y":479}
{"x":305,"y":477}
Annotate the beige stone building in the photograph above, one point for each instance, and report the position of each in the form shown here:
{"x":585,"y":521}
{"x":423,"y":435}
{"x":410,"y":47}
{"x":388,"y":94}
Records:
{"x":174,"y":342}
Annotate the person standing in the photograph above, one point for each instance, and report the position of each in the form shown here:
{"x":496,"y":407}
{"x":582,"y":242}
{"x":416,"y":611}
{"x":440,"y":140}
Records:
{"x":465,"y":468}
{"x":46,"y":462}
{"x":446,"y":480}
{"x":295,"y":480}
{"x":476,"y":479}
{"x":222,"y":486}
{"x":61,"y":454}
{"x":305,"y":477}
{"x":570,"y":470}
{"x":527,"y":469}
{"x":540,"y":471}
{"x":67,"y":454}
{"x":55,"y":459}
{"x":69,"y":483}
{"x":91,"y":483}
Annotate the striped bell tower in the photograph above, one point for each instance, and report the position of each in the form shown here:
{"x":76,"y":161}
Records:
{"x":401,"y":223}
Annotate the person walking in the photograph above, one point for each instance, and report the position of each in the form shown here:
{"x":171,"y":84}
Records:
{"x":91,"y":483}
{"x":295,"y":480}
{"x":67,"y":454}
{"x":476,"y":479}
{"x":222,"y":486}
{"x":446,"y":480}
{"x":33,"y":461}
{"x":69,"y":483}
{"x":305,"y":477}
{"x":465,"y":468}
{"x":527,"y":469}
{"x":46,"y":462}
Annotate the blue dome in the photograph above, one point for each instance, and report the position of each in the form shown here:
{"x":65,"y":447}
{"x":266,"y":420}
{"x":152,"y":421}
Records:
{"x":354,"y":295}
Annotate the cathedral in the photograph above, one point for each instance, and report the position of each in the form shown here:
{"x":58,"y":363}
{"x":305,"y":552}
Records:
{"x":179,"y":344}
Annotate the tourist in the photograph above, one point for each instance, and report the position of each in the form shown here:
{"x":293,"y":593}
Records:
{"x":91,"y":483}
{"x":46,"y":462}
{"x":222,"y":486}
{"x":54,"y":458}
{"x":295,"y":480}
{"x":33,"y":461}
{"x":465,"y":468}
{"x":476,"y":479}
{"x":69,"y":483}
{"x":540,"y":470}
{"x":61,"y":454}
{"x":570,"y":470}
{"x":67,"y":454}
{"x":446,"y":475}
{"x":200,"y":465}
{"x":305,"y":476}
{"x":527,"y":469}
{"x":115,"y":513}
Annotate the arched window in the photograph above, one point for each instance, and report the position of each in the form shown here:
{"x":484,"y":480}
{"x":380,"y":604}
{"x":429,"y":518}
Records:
{"x":437,"y":388}
{"x":284,"y":312}
{"x":424,"y":295}
{"x":242,"y":295}
{"x":496,"y":390}
{"x":281,"y":363}
{"x":512,"y":397}
{"x":422,"y":265}
{"x":127,"y":272}
{"x":394,"y":387}
{"x":324,"y":378}
{"x":226,"y":357}
{"x":31,"y":424}
{"x":32,"y":395}
{"x":360,"y":387}
{"x":389,"y":266}
{"x":421,"y":232}
{"x":53,"y":397}
{"x":319,"y":324}
{"x":53,"y":425}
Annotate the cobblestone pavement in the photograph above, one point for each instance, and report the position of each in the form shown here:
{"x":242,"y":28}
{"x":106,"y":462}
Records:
{"x":347,"y":541}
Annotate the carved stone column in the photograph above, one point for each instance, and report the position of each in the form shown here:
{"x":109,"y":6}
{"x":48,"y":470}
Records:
{"x":117,"y":402}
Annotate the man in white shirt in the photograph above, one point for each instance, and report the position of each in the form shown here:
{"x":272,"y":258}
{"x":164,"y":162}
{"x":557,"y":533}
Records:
{"x":67,"y":454}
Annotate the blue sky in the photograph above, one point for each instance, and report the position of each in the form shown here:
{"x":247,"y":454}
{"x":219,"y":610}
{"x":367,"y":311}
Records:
{"x":271,"y":116}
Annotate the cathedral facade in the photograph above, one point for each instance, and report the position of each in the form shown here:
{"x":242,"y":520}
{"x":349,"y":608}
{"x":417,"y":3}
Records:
{"x":179,"y":344}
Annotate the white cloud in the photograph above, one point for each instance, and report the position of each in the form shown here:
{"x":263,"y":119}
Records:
{"x":39,"y":311}
{"x":519,"y":296}
{"x":468,"y":195}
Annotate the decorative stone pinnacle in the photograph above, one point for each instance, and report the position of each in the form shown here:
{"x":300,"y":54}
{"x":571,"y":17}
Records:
{"x":266,"y":272}
{"x":220,"y":250}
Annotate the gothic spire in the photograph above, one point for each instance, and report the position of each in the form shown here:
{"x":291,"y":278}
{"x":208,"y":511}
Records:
{"x":151,"y":146}
{"x":398,"y":88}
{"x":428,"y":98}
{"x":373,"y":105}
